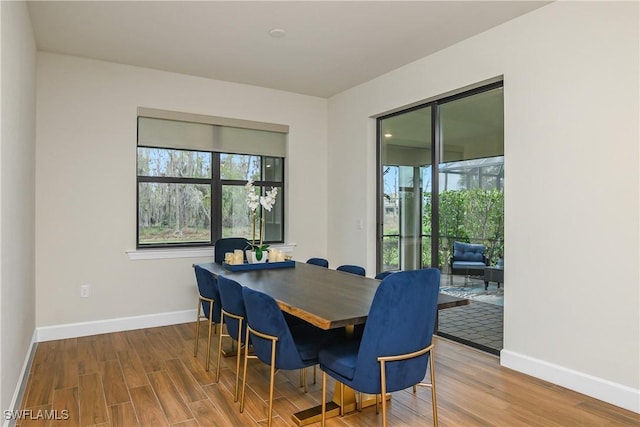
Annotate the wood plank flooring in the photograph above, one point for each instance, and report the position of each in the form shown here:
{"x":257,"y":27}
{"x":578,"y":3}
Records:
{"x":149,"y":377}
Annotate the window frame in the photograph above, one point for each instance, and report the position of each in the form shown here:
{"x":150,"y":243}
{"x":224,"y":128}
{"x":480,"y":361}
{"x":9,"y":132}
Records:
{"x":216,"y":184}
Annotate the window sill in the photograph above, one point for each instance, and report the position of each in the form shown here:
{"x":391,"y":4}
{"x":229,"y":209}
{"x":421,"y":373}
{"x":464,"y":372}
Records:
{"x":147,"y":254}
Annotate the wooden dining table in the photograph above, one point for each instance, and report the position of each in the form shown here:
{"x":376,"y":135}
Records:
{"x":323,"y":297}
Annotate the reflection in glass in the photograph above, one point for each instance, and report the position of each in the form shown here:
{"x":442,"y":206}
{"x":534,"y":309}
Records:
{"x":273,"y":169}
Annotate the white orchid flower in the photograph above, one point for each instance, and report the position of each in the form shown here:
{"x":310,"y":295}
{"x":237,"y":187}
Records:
{"x":252,"y":198}
{"x":267,"y":201}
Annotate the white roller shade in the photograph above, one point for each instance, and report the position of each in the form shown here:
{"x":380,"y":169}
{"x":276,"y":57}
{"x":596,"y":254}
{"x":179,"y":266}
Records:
{"x":169,"y":129}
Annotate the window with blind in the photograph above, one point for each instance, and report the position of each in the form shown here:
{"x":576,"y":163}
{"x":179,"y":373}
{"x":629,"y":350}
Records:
{"x":191,"y":172}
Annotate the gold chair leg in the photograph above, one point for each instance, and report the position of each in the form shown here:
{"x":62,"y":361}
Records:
{"x":324,"y":398}
{"x":433,"y":389}
{"x":383,"y":393}
{"x":415,"y":388}
{"x":235,"y":398}
{"x":314,"y":373}
{"x":209,"y":339}
{"x":244,"y":377}
{"x":220,"y":351}
{"x":272,"y":380}
{"x":195,"y":349}
{"x":304,"y":379}
{"x":341,"y":400}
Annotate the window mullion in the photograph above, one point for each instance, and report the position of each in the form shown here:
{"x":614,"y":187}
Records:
{"x":216,"y":198}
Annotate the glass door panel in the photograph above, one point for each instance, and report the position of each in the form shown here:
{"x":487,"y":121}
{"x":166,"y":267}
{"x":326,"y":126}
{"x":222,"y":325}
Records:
{"x":471,"y":173}
{"x":405,"y":152}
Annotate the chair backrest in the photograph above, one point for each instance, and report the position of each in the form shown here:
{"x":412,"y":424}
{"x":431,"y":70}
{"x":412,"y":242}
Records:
{"x":384,"y":274}
{"x":401,"y":320}
{"x":468,"y":252}
{"x":264,"y":315}
{"x":232,"y":301}
{"x":208,"y":288}
{"x":228,"y":244}
{"x":353,"y":269}
{"x":318,"y":261}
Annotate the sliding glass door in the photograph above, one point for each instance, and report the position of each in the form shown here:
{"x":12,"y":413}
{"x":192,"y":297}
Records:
{"x":423,"y":209}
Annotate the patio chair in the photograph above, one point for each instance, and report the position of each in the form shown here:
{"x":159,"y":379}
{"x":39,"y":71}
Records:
{"x":468,"y":259}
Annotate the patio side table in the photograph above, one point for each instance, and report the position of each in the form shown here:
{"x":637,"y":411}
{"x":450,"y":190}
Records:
{"x":493,"y":274}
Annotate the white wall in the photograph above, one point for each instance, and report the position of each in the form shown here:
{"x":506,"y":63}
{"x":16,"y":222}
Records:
{"x":571,"y":175}
{"x":86,"y":182}
{"x":17,"y":203}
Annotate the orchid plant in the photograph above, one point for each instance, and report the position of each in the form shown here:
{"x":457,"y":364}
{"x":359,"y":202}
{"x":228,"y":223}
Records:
{"x":254,"y":201}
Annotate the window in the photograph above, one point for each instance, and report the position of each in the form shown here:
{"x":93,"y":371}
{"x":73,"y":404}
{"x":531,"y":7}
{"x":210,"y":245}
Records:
{"x":191,"y":196}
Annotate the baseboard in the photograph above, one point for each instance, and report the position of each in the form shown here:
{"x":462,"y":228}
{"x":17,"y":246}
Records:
{"x":21,"y":385}
{"x":83,"y":329}
{"x":598,"y":388}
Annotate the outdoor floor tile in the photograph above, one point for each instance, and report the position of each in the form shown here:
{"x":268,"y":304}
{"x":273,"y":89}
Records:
{"x":477,"y":324}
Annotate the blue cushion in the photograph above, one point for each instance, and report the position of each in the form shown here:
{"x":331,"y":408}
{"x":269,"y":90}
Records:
{"x":342,"y":358}
{"x":468,"y":252}
{"x":468,"y":264}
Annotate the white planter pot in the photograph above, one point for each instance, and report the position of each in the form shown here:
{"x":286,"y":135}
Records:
{"x":251,"y":257}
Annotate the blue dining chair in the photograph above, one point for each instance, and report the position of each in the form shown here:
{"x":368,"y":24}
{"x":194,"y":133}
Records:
{"x":232,"y":314}
{"x":396,"y":345}
{"x":275,"y":343}
{"x":318,"y":261}
{"x":353,"y":269}
{"x":228,"y":244}
{"x":384,"y":274}
{"x":209,"y":303}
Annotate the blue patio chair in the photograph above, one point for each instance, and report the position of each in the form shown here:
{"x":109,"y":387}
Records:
{"x":275,"y":343}
{"x":395,"y":348}
{"x":318,"y":261}
{"x":468,"y":259}
{"x":209,"y":303}
{"x":234,"y":316}
{"x":353,"y":269}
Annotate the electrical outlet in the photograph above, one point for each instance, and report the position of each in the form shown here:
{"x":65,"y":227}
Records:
{"x":84,"y":291}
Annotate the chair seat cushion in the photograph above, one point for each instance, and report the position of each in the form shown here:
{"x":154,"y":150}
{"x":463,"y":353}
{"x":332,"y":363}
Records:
{"x":309,"y":340}
{"x":468,"y":264}
{"x":340,"y":359}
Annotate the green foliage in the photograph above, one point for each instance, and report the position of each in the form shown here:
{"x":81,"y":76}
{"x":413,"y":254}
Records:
{"x":473,"y":216}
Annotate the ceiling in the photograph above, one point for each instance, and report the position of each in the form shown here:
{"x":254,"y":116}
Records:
{"x":329,"y":46}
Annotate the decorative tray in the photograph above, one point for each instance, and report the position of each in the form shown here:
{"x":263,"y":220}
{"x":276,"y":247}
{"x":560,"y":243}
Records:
{"x":259,"y":266}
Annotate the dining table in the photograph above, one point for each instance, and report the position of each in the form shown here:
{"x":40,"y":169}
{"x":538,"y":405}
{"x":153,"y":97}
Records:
{"x":321,"y":296}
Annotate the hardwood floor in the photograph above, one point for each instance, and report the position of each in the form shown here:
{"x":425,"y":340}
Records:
{"x":149,"y":377}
